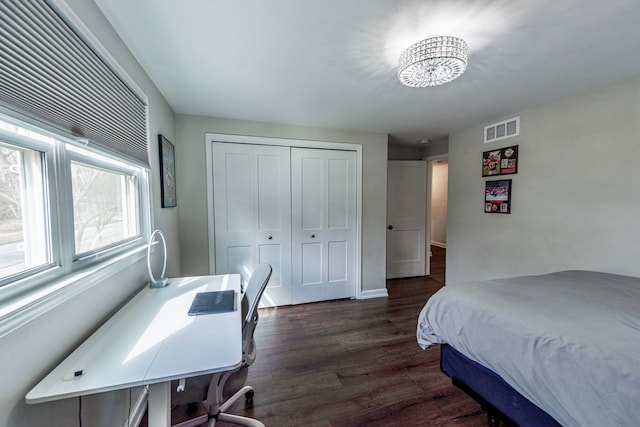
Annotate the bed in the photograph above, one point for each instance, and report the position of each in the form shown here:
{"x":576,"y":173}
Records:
{"x":566,"y":344}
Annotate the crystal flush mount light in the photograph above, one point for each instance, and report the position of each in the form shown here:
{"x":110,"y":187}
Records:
{"x":433,"y":61}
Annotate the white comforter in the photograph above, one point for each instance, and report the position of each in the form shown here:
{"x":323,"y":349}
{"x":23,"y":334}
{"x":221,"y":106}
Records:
{"x":568,"y":341}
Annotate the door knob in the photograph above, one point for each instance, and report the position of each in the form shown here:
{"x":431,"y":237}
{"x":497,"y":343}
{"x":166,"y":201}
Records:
{"x":390,"y":227}
{"x":270,"y":237}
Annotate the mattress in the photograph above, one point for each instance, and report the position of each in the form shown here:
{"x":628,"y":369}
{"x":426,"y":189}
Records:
{"x":569,"y":341}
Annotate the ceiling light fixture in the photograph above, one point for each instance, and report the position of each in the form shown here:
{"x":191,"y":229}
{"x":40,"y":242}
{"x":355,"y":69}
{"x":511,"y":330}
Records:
{"x":433,"y":61}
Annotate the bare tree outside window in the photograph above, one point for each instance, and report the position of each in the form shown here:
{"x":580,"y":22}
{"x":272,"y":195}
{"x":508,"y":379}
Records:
{"x":101,"y":207}
{"x":22,"y":241}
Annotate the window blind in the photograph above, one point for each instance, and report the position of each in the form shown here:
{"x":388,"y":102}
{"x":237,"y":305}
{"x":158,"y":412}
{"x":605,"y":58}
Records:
{"x":49,"y":73}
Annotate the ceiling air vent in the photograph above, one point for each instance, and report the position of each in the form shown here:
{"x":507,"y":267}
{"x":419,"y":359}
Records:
{"x":502,"y":130}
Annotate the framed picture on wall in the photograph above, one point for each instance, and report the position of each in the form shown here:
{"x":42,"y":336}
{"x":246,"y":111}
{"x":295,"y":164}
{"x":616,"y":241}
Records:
{"x":502,"y":161}
{"x":167,"y":173}
{"x":497,"y":196}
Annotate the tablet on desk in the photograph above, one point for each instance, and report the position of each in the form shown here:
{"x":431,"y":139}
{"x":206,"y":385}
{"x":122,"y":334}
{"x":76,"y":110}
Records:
{"x":213,"y":302}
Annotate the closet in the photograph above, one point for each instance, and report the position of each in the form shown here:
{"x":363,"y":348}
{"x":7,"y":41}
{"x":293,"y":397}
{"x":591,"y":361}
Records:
{"x":294,"y":208}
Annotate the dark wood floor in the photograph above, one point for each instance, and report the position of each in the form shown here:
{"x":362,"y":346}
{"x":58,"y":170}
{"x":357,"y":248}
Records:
{"x":353,"y":363}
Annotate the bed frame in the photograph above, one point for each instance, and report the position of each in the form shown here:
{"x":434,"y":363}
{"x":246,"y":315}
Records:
{"x":498,"y":398}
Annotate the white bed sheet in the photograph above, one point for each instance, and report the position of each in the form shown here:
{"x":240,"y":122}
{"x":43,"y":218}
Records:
{"x":568,"y":341}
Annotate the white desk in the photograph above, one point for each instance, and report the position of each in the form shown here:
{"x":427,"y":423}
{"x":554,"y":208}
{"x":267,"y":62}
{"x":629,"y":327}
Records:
{"x":151,"y":341}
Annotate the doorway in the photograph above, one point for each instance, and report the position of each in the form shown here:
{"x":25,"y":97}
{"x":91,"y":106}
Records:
{"x":438,"y":173}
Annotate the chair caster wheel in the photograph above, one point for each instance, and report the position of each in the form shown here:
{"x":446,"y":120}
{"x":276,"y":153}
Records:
{"x":249,"y":396}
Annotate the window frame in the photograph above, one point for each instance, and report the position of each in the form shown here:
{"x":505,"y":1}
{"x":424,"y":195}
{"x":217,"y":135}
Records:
{"x":64,"y":266}
{"x":50,"y":195}
{"x":110,"y":164}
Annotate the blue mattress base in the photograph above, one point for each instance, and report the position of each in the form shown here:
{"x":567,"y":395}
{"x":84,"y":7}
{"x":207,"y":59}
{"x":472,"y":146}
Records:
{"x":487,"y":388}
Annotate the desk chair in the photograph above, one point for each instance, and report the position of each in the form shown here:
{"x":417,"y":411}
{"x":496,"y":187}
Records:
{"x":211,"y":389}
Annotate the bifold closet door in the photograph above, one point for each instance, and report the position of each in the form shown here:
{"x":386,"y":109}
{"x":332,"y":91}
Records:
{"x":323,"y":185}
{"x":252,"y":205}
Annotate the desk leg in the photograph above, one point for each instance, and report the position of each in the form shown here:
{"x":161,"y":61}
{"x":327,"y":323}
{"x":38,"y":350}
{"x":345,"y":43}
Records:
{"x":160,"y":404}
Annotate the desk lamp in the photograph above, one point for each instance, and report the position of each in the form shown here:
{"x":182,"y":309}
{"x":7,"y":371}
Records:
{"x":162,"y":281}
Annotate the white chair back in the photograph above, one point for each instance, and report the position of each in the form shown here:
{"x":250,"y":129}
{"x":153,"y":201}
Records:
{"x":255,"y":288}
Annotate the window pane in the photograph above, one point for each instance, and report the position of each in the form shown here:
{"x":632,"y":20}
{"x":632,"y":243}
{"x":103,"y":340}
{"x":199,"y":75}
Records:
{"x":104,"y":208}
{"x":24,"y":236}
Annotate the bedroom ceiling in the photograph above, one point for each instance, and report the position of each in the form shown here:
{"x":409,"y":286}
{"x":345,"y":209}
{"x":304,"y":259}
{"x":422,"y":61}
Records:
{"x":332,"y":63}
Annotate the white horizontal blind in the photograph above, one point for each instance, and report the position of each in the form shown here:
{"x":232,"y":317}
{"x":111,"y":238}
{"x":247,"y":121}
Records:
{"x":48,"y":72}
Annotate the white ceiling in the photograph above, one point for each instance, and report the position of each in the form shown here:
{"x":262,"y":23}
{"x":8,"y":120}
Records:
{"x":332,"y":63}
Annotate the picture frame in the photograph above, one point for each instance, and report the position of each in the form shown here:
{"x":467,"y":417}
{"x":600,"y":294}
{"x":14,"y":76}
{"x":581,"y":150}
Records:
{"x":497,"y":196}
{"x":167,"y":173}
{"x":501,"y":161}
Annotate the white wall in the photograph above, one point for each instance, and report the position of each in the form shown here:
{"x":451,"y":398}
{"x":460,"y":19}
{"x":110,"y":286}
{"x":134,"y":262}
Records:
{"x":575,"y":197}
{"x":192,"y":196}
{"x":30,"y":352}
{"x":438,"y":222}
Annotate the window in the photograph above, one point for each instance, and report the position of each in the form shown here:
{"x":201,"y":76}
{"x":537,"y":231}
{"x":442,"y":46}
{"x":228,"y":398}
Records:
{"x":23,"y":225}
{"x":104,"y":207}
{"x":64,"y":206}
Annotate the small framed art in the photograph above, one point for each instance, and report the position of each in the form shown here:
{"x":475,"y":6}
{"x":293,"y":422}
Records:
{"x":497,"y":196}
{"x":502,"y":161}
{"x":167,"y":173}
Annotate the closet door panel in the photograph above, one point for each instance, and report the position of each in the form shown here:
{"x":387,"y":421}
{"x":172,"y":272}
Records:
{"x":338,"y":194}
{"x":252,"y":205}
{"x":341,"y":229}
{"x":273,"y":220}
{"x":323,"y":224}
{"x":311,"y":279}
{"x":310,"y":202}
{"x":238,"y":215}
{"x":238,"y":260}
{"x":234,"y":213}
{"x":278,"y":283}
{"x":270,"y":200}
{"x":338,"y":259}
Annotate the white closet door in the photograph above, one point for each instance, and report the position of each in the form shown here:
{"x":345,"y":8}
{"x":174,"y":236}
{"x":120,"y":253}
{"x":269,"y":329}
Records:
{"x":323,"y":224}
{"x":252,"y":205}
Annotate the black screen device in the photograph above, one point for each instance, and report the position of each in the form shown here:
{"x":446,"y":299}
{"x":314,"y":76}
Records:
{"x":213,"y":302}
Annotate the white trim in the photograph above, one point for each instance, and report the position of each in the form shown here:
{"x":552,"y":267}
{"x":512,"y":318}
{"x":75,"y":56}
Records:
{"x":282,"y":142}
{"x":437,"y":157}
{"x":430,"y":161}
{"x":208,"y":146}
{"x":375,"y":293}
{"x":210,"y":138}
{"x":439,"y":244}
{"x":427,"y":237}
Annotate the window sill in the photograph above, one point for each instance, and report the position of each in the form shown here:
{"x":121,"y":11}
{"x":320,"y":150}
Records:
{"x":15,"y":312}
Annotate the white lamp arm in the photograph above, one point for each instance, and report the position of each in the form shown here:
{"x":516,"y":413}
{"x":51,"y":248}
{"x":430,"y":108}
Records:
{"x":162,"y":281}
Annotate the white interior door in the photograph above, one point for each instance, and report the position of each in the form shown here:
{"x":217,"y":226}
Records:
{"x":323,"y":224}
{"x":252,"y":214}
{"x":406,"y":219}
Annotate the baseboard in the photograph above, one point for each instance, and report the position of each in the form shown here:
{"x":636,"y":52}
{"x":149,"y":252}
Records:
{"x":439,"y":244}
{"x":374,"y":293}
